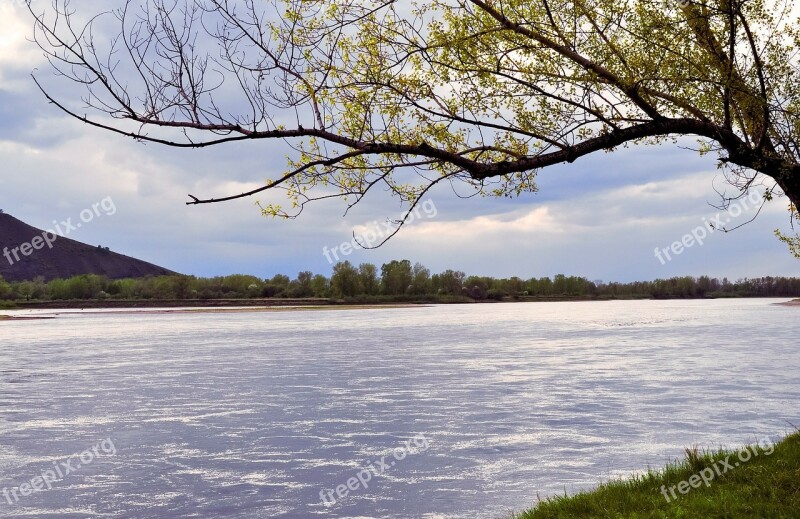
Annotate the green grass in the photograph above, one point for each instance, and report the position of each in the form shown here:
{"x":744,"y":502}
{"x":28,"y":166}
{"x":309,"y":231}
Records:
{"x":766,"y":486}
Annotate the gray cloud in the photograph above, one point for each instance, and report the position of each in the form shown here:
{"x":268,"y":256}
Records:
{"x":601,"y":217}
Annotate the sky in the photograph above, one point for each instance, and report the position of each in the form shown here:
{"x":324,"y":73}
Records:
{"x":602,"y":217}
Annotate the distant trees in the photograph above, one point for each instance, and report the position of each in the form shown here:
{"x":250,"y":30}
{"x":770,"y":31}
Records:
{"x":368,"y":277}
{"x":345,"y":280}
{"x":321,"y":286}
{"x":396,"y":277}
{"x":276,"y":286}
{"x":421,"y":279}
{"x":477,"y":287}
{"x":448,"y":282}
{"x":122,"y":288}
{"x":398,"y":280}
{"x":5,"y":288}
{"x":302,"y":285}
{"x":79,"y":287}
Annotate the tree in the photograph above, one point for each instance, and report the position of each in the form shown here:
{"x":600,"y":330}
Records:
{"x":513,"y":286}
{"x":481,"y":93}
{"x":560,"y":284}
{"x":421,"y":280}
{"x":306,"y":279}
{"x":278,"y":286}
{"x":396,"y":277}
{"x":25,"y":290}
{"x":5,"y":288}
{"x":344,"y":281}
{"x":237,"y":284}
{"x":368,"y":279}
{"x":321,"y":286}
{"x":302,"y":286}
{"x":477,"y":287}
{"x":449,"y":282}
{"x":122,"y":288}
{"x":544,"y":287}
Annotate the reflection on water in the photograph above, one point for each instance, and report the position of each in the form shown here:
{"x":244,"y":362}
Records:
{"x":254,"y":414}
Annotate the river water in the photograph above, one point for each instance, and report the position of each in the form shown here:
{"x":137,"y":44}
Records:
{"x":431,"y":412}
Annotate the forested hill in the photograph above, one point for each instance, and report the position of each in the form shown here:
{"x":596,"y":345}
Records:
{"x":27,"y":252}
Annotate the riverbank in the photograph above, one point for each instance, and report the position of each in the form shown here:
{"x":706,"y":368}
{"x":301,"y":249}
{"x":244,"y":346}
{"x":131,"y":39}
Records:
{"x":217,"y":310}
{"x":306,"y":303}
{"x":22,"y":318}
{"x":368,"y":301}
{"x":374,"y":301}
{"x":752,"y":482}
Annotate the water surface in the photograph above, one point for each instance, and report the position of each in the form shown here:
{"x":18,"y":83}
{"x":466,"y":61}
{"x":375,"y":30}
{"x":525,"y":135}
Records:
{"x":252,"y":415}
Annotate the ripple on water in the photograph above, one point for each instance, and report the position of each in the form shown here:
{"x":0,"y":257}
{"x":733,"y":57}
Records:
{"x":252,"y":415}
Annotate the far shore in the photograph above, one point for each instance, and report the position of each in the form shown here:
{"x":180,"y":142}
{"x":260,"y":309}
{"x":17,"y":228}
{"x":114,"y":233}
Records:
{"x":156,"y":310}
{"x":249,"y":309}
{"x":273,"y":303}
{"x":22,"y":318}
{"x":210,"y":304}
{"x":279,"y":304}
{"x":182,"y":306}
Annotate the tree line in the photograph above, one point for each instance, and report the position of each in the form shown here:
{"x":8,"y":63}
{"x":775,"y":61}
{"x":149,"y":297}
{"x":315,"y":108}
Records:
{"x":395,"y":280}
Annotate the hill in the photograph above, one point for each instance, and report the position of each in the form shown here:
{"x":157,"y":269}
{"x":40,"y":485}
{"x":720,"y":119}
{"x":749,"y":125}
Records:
{"x":27,"y":252}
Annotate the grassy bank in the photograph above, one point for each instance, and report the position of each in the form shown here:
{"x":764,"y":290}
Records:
{"x":766,"y":485}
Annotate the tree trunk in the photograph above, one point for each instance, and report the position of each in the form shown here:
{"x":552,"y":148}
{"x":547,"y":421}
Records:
{"x":785,"y":173}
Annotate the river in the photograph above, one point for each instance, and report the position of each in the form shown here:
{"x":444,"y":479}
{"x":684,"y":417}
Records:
{"x":426,"y":412}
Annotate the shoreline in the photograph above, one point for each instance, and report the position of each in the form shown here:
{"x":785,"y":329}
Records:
{"x":165,"y":307}
{"x":156,"y":309}
{"x":366,"y":302}
{"x":232,"y":310}
{"x":276,"y":304}
{"x":23,"y":318}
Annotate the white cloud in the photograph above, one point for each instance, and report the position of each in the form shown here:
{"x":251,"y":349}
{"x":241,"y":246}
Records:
{"x":601,"y":216}
{"x":16,"y":52}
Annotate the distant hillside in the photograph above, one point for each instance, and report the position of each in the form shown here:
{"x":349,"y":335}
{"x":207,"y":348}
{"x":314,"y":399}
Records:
{"x":60,"y":257}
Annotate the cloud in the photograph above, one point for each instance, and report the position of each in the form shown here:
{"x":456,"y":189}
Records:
{"x":606,"y":232}
{"x":16,"y":52}
{"x":610,"y":234}
{"x":601,"y":216}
